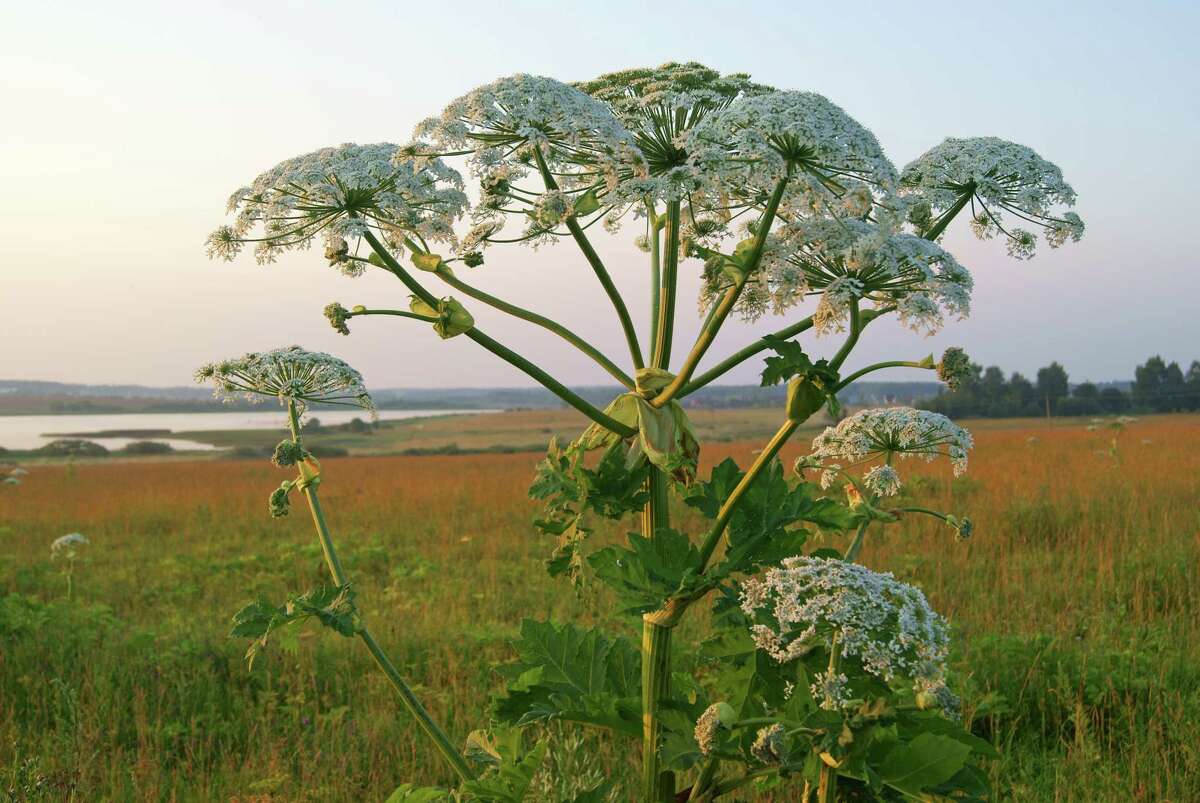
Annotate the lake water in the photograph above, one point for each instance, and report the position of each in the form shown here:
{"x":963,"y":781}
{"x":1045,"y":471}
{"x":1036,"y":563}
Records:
{"x":33,"y":431}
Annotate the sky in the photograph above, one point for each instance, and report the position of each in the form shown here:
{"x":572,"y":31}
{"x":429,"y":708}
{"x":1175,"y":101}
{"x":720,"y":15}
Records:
{"x":127,"y":125}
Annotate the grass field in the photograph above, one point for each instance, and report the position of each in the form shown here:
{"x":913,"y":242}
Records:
{"x":1076,"y":608}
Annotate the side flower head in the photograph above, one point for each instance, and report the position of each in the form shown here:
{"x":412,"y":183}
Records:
{"x":996,"y":178}
{"x":288,"y":374}
{"x":888,"y":433}
{"x":954,"y":367}
{"x":881,"y":623}
{"x":65,"y":546}
{"x":339,"y":194}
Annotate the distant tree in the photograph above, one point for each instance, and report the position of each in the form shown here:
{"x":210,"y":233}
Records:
{"x":1192,"y":386}
{"x":1022,"y":395}
{"x":1148,"y":382}
{"x":1174,"y":390}
{"x":148,"y":448}
{"x":73,"y":447}
{"x":1052,"y":384}
{"x":1085,"y":390}
{"x":1113,"y":400}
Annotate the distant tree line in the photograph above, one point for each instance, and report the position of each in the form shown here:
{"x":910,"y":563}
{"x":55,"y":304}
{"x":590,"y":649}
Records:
{"x":1158,"y":387}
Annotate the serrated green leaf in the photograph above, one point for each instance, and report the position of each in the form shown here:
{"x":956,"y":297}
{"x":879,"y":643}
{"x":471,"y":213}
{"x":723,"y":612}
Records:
{"x":512,"y":767}
{"x":566,"y":672}
{"x":923,"y":763}
{"x":332,"y":606}
{"x":648,"y":574}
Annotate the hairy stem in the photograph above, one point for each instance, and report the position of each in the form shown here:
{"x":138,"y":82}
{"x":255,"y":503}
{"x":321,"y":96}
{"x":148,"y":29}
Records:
{"x":441,"y":741}
{"x":500,"y":350}
{"x":857,"y":543}
{"x":656,"y":658}
{"x":944,"y":219}
{"x":655,"y":276}
{"x":740,"y":356}
{"x":879,"y":366}
{"x":827,"y":781}
{"x":446,"y":275}
{"x":856,"y":327}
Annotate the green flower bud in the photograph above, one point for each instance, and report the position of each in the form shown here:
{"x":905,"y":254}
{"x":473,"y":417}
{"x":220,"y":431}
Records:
{"x":429,"y":262}
{"x":452,"y":317}
{"x":337,"y":315}
{"x":288,"y":453}
{"x":279,"y":504}
{"x":954,"y":367}
{"x":336,"y":250}
{"x":472,"y":259}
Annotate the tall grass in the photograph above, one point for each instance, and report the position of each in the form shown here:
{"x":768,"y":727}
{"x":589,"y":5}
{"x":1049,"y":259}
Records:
{"x":1076,"y":608}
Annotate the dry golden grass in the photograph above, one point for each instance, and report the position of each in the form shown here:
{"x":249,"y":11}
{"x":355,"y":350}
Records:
{"x":1076,"y":607}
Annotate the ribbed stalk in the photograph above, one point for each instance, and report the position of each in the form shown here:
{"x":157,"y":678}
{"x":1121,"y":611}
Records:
{"x":657,"y":786}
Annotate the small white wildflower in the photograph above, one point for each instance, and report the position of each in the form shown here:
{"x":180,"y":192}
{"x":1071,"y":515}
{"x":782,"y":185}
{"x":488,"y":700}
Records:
{"x":831,"y":689}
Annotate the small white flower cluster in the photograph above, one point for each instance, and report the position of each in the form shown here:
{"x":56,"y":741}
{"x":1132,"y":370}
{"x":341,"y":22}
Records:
{"x":64,"y":547}
{"x":889,"y":267}
{"x":708,"y":725}
{"x":339,"y":193}
{"x":749,"y":146}
{"x":889,"y":432}
{"x":289,"y":374}
{"x":672,"y":94}
{"x":999,"y":178}
{"x":885,"y":624}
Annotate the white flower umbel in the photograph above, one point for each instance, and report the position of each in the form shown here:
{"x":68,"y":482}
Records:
{"x":64,"y":547}
{"x":506,"y":119}
{"x":889,"y":268}
{"x":997,"y":178}
{"x":751,"y":144}
{"x":289,"y":374}
{"x":874,"y":618}
{"x":888,"y":433}
{"x":337,"y":194}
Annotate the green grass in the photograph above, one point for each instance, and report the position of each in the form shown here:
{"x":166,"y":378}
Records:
{"x":1075,"y":607}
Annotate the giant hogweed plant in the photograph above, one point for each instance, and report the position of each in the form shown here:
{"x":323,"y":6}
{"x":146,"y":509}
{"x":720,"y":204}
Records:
{"x":819,"y":675}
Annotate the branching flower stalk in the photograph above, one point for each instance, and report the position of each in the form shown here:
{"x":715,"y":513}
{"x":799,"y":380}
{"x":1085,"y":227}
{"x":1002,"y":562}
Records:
{"x":783,"y":201}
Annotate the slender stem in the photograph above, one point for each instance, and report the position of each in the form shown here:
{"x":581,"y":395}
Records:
{"x":856,"y":544}
{"x":500,"y":350}
{"x":726,"y":512}
{"x":709,"y":332}
{"x":454,"y":758}
{"x":589,"y":253}
{"x":703,"y":785}
{"x":540,"y":320}
{"x":668,"y":286}
{"x":856,"y":327}
{"x":655,"y":276}
{"x":879,"y":366}
{"x":944,"y":219}
{"x":827,"y":781}
{"x":738,"y":357}
{"x":398,"y":312}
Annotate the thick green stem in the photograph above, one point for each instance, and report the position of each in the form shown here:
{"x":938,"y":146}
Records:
{"x":944,"y":219}
{"x":726,"y":512}
{"x":725,"y":306}
{"x":827,"y":781}
{"x":856,"y":544}
{"x":540,"y":320}
{"x":856,"y":327}
{"x":441,"y":741}
{"x":703,"y":787}
{"x":740,"y":356}
{"x":667,"y":290}
{"x":500,"y":350}
{"x":589,"y":253}
{"x":657,"y":786}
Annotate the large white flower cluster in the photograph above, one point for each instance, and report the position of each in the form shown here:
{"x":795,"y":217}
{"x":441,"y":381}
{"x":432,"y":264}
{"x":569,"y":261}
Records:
{"x":513,"y":115}
{"x":851,"y":258}
{"x":751,"y":144}
{"x":999,"y":178}
{"x":290,"y":373}
{"x":337,"y":193}
{"x":670,"y":97}
{"x":65,"y":546}
{"x":872,"y":617}
{"x":890,"y":432}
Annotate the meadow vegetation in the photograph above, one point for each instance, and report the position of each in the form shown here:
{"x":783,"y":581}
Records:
{"x":1075,"y":607}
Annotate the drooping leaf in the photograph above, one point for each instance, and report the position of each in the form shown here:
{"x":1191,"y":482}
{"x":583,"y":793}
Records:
{"x":565,"y":672}
{"x":332,"y":606}
{"x":510,"y":767}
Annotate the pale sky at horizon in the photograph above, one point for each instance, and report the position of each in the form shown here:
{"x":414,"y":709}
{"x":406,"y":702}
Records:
{"x":127,"y":125}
